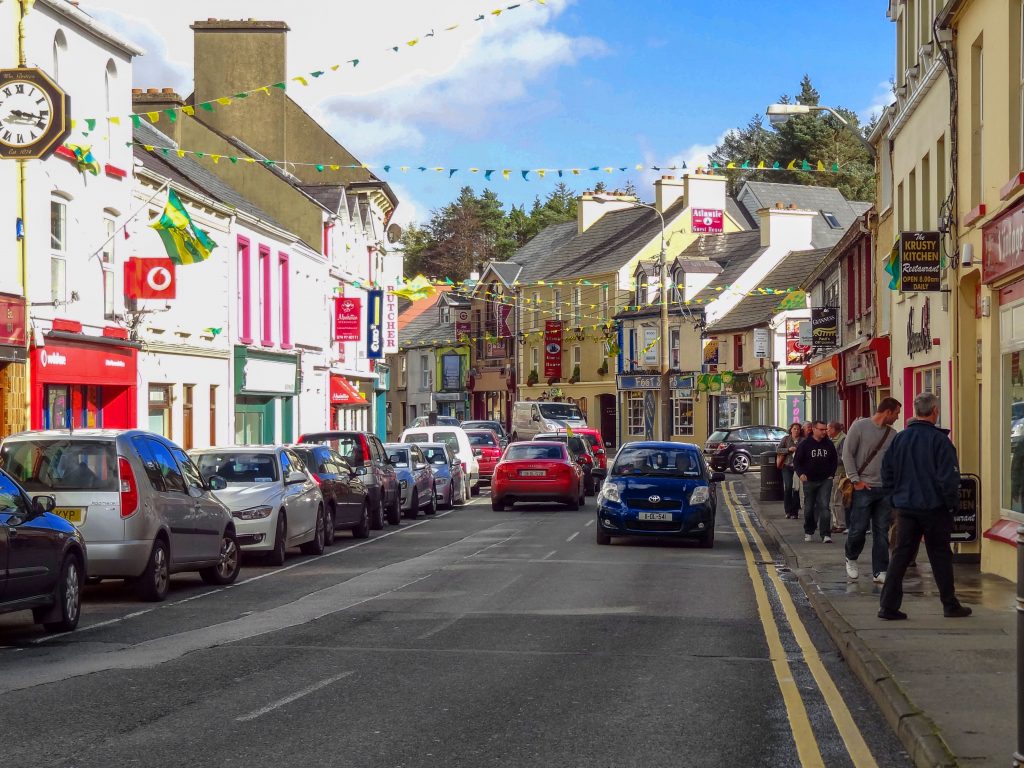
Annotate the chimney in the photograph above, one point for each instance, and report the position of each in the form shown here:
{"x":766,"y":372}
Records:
{"x":786,"y":227}
{"x":233,"y":56}
{"x":589,"y":210}
{"x":667,"y":190}
{"x":705,"y":190}
{"x":157,"y":100}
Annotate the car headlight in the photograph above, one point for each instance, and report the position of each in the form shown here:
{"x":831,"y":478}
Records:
{"x":551,"y":427}
{"x":700,"y":495}
{"x":610,"y":493}
{"x":253,"y":513}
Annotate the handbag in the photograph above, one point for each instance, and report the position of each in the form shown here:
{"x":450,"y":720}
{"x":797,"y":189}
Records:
{"x":780,"y":460}
{"x":846,"y":484}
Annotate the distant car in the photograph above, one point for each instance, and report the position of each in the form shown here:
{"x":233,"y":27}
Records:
{"x":275,"y":503}
{"x":537,"y":471}
{"x":736,"y":448}
{"x":579,"y":448}
{"x":489,"y":444}
{"x":366,"y":455}
{"x":42,"y":559}
{"x":456,"y":439}
{"x":415,"y":479}
{"x":449,"y":479}
{"x":530,"y":417}
{"x":659,"y":489}
{"x":597,"y":445}
{"x":424,"y":421}
{"x":496,"y":426}
{"x":345,"y":499}
{"x":142,"y":506}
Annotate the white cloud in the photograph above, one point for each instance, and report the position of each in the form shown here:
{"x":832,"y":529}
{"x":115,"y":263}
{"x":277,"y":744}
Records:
{"x":694,"y":155}
{"x":883,"y":97}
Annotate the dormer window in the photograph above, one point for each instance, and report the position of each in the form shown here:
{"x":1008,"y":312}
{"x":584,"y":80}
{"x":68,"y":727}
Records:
{"x":446,"y":313}
{"x":831,"y":219}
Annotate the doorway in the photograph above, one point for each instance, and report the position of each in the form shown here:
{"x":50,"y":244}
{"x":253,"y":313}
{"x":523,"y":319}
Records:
{"x":606,"y":406}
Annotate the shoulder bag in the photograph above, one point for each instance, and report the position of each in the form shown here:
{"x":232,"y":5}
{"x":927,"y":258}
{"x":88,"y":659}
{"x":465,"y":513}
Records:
{"x":846,"y":484}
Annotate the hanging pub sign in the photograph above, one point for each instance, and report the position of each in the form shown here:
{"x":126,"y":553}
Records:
{"x":796,"y":350}
{"x":710,"y":351}
{"x":553,"y":349}
{"x":463,"y":324}
{"x":375,"y":324}
{"x":504,"y":326}
{"x":346,"y":318}
{"x":824,"y":327}
{"x":920,"y":261}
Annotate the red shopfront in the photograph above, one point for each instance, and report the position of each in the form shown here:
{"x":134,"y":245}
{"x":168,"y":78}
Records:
{"x":84,"y":384}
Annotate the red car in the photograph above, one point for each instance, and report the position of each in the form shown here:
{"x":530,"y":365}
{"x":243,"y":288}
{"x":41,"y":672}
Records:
{"x":489,"y":444}
{"x":537,"y":471}
{"x":593,"y":436}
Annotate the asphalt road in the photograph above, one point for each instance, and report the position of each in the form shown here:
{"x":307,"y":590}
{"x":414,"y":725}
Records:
{"x":473,"y":639}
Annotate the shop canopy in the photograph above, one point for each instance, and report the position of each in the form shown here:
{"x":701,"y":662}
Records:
{"x":343,"y":393}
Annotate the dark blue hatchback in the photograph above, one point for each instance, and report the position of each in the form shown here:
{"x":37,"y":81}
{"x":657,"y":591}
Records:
{"x":659,"y":489}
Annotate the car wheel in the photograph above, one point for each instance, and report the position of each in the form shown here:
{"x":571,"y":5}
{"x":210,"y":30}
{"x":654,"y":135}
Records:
{"x":316,"y":546}
{"x":155,"y":581}
{"x":277,"y":554}
{"x":330,"y":532}
{"x":739,"y":463}
{"x":68,"y":596}
{"x":475,"y":490}
{"x":497,"y":504}
{"x":449,"y":501}
{"x":707,"y":539}
{"x":573,"y":504}
{"x":432,"y":509}
{"x":377,"y":521}
{"x":395,"y":513}
{"x":362,"y":530}
{"x":227,"y":567}
{"x":414,"y":507}
{"x":601,"y":536}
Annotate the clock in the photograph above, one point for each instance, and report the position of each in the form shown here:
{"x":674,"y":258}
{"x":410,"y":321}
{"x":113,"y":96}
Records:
{"x":34,"y":114}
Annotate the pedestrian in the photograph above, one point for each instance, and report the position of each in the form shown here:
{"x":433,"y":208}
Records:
{"x":808,"y":428}
{"x":922,"y":472}
{"x":837,"y":434}
{"x":863,"y":452}
{"x":784,"y":461}
{"x":815,"y":461}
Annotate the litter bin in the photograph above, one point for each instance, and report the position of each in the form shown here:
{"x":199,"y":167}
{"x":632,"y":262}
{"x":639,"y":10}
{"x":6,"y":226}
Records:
{"x":771,"y":479}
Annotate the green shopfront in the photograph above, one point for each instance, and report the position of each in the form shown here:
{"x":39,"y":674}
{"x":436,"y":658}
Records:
{"x":266,"y":384}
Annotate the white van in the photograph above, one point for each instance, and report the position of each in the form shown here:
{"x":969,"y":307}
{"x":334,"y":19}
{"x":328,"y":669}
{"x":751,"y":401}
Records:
{"x":458,"y":440}
{"x":530,"y":418}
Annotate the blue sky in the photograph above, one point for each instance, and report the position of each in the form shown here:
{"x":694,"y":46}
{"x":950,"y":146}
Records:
{"x":569,"y":83}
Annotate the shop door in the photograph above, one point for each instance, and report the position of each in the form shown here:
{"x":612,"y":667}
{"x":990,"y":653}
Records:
{"x":254,"y":421}
{"x":606,"y":405}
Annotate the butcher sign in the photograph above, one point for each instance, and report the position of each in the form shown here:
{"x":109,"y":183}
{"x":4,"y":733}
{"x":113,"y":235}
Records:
{"x":149,"y":279}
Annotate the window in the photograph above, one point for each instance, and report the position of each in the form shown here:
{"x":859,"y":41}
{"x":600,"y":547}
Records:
{"x":635,"y":426}
{"x":832,"y":220}
{"x":285,"y":283}
{"x":927,"y":215}
{"x":851,"y":290}
{"x":737,"y":352}
{"x":244,"y":292}
{"x":867,"y":275}
{"x":535,"y":359}
{"x":58,"y":250}
{"x":977,"y":122}
{"x":912,"y":218}
{"x":673,"y":336}
{"x":577,"y":355}
{"x":424,"y":373}
{"x":929,"y":380}
{"x":682,"y":416}
{"x":161,"y":469}
{"x":213,"y":414}
{"x":160,"y":409}
{"x":107,"y":264}
{"x":577,"y":309}
{"x":604,"y":302}
{"x":265,"y":299}
{"x":640,"y":289}
{"x":536,"y":309}
{"x":558,"y":304}
{"x":188,"y":392}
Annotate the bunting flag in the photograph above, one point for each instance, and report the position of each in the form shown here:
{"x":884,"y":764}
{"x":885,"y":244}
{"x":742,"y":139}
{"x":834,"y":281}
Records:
{"x":414,"y":290}
{"x":893,"y":268}
{"x":184,"y":241}
{"x":84,"y":159}
{"x":796,"y":299}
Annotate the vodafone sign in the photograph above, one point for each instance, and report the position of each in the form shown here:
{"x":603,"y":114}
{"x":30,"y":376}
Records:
{"x":149,"y":279}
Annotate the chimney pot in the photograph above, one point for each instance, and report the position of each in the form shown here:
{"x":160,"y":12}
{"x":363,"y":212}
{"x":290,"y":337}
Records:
{"x":152,"y":90}
{"x":792,"y":206}
{"x":778,"y":206}
{"x":167,"y":90}
{"x":136,"y":91}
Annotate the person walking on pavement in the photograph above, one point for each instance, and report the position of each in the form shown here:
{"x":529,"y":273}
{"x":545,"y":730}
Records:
{"x":922,"y":472}
{"x":837,"y":434}
{"x":784,"y":461}
{"x":815,"y":461}
{"x":863,"y":452}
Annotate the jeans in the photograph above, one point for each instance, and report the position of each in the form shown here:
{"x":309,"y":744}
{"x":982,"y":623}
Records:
{"x":935,"y":525}
{"x":790,"y":495}
{"x":816,"y":511}
{"x":869,"y":507}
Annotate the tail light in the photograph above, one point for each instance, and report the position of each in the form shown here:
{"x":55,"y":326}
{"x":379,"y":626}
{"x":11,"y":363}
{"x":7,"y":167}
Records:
{"x":316,"y":479}
{"x":463,"y":466}
{"x":129,"y":488}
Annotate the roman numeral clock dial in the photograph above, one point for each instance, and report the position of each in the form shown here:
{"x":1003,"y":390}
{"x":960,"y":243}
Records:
{"x":33,"y":114}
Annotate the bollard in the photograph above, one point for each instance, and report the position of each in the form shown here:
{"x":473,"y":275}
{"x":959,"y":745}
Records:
{"x":1018,"y":757}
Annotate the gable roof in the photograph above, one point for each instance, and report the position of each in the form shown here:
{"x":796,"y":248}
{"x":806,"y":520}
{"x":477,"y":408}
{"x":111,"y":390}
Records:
{"x":755,"y":195}
{"x":533,"y":256}
{"x":756,"y":309}
{"x":734,"y":253}
{"x":330,"y":196}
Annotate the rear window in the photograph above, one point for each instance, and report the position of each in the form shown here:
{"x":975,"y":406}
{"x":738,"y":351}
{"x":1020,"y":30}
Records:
{"x":482,"y":438}
{"x":448,"y":438}
{"x":416,"y":437}
{"x":718,"y":437}
{"x":435,"y":454}
{"x":239,"y":467}
{"x":526,"y":451}
{"x":45,"y":466}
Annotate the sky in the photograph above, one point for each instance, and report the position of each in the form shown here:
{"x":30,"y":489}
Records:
{"x":558,"y":84}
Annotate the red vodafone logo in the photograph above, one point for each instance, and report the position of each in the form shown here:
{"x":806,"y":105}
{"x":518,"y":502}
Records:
{"x":149,"y":279}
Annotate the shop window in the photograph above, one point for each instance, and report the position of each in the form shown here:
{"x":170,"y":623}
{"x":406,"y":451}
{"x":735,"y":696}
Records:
{"x":928,"y":380}
{"x":635,"y":414}
{"x":682,"y":416}
{"x":58,"y":250}
{"x":213,"y":414}
{"x":285,"y":283}
{"x":188,"y":416}
{"x":58,"y":407}
{"x":1013,"y":433}
{"x":160,"y":409}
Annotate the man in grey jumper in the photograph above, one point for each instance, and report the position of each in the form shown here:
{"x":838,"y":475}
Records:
{"x":870,"y":505}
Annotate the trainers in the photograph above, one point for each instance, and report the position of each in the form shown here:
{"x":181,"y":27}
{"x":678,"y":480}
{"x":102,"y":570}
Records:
{"x":879,"y":578}
{"x":851,"y":569}
{"x":891,"y":615}
{"x":808,"y":537}
{"x":959,"y":612}
{"x":827,"y":540}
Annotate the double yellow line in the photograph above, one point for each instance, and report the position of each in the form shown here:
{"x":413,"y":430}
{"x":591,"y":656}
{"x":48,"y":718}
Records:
{"x":803,"y":734}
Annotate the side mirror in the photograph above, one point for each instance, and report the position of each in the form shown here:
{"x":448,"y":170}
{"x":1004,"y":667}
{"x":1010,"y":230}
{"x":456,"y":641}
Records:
{"x":43,"y":504}
{"x":607,"y":443}
{"x":718,"y":477}
{"x":217,"y":483}
{"x":296,"y":477}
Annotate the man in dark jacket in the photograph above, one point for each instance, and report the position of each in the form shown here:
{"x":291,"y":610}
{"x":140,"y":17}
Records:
{"x":815,"y":462}
{"x":922,"y":472}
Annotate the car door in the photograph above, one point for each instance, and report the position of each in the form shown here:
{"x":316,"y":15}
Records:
{"x":31,"y":545}
{"x":759,"y":440}
{"x":420,"y":472}
{"x":300,"y":502}
{"x":387,"y":475}
{"x":351,"y":491}
{"x":174,"y":506}
{"x":3,"y":557}
{"x":208,"y":514}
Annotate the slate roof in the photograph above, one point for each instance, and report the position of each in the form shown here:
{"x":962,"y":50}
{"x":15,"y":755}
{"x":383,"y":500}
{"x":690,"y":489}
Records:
{"x":425,"y":328}
{"x":330,"y":196}
{"x":697,"y":266}
{"x":756,"y":309}
{"x":507,"y":271}
{"x":755,"y":195}
{"x":533,"y":256}
{"x":733,"y":252}
{"x":739,"y":214}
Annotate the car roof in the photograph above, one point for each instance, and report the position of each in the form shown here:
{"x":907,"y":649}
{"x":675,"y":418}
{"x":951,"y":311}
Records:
{"x":81,"y":434}
{"x":400,"y":445}
{"x":663,"y":445}
{"x":240,"y":449}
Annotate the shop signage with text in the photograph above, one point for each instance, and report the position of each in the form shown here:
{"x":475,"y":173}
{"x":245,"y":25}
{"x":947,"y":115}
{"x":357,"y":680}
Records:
{"x":12,"y":321}
{"x":824,"y":327}
{"x":390,"y":322}
{"x":1003,"y":245}
{"x":149,"y":279}
{"x":706,"y":221}
{"x":346,"y":318}
{"x":553,"y":349}
{"x":762,"y":337}
{"x":920,"y":261}
{"x":375,"y":325}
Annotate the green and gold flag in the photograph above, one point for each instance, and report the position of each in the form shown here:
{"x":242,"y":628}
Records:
{"x":795,"y":299}
{"x":84,"y":159}
{"x":184,"y":242}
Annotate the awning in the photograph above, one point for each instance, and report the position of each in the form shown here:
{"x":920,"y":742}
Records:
{"x":876,"y":353}
{"x":824,"y":372}
{"x":343,"y":393}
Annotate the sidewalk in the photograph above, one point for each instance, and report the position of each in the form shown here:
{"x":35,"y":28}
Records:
{"x":946,"y":686}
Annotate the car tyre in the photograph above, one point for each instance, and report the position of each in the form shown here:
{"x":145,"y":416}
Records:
{"x":601,"y":536}
{"x":228,"y":565}
{"x":573,"y":504}
{"x":277,"y":555}
{"x":155,"y":581}
{"x":475,"y":490}
{"x":739,"y":463}
{"x":497,"y":504}
{"x":707,"y":539}
{"x":414,"y":507}
{"x":395,"y":513}
{"x":362,"y":530}
{"x":432,"y":509}
{"x":377,"y":521}
{"x":330,"y":530}
{"x":68,"y":595}
{"x":316,"y":546}
{"x":449,"y":500}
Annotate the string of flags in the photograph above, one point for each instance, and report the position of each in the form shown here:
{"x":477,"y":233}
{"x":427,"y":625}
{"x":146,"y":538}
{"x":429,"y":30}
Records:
{"x":570,"y":334}
{"x":172,"y":114}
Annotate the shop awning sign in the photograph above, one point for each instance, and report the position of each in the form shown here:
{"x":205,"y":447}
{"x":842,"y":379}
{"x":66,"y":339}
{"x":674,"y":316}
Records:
{"x":920,"y":261}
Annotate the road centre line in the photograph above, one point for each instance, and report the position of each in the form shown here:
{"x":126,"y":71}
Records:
{"x":572,"y":537}
{"x":590,"y":522}
{"x":857,"y":748}
{"x":293,"y":697}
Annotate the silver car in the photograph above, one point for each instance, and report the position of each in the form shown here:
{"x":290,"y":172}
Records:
{"x":415,"y":479}
{"x":142,"y":506}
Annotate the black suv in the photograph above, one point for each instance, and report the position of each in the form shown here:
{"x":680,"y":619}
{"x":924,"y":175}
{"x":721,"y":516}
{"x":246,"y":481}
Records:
{"x":736,"y":448}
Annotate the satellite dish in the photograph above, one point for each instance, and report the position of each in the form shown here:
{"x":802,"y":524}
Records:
{"x":394,"y":234}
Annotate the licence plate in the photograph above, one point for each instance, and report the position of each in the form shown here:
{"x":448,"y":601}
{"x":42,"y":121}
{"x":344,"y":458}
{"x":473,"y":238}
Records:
{"x":532,"y":473}
{"x":663,"y":516}
{"x":75,"y":515}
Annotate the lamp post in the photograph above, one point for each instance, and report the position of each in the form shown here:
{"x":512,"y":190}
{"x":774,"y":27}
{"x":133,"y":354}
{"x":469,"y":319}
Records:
{"x":780,"y":113}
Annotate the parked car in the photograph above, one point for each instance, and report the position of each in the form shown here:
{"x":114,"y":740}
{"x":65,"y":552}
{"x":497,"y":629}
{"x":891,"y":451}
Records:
{"x":141,"y":504}
{"x":530,"y":418}
{"x":579,"y":449}
{"x":597,"y":445}
{"x":345,"y":500}
{"x":659,"y":489}
{"x":736,"y":448}
{"x":449,"y":479}
{"x":366,"y":455}
{"x":42,"y":559}
{"x":457,"y":439}
{"x":424,"y":421}
{"x":275,"y":503}
{"x":415,"y":479}
{"x":489,"y":444}
{"x":496,"y":426}
{"x":537,"y":471}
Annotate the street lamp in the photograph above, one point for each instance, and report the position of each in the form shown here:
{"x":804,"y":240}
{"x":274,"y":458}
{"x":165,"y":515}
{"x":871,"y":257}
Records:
{"x":780,"y":113}
{"x":664,"y":430}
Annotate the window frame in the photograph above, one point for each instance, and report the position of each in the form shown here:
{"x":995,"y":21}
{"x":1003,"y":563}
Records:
{"x":244,"y":294}
{"x":285,"y":290}
{"x":266,"y":298}
{"x":680,"y":427}
{"x":635,"y":424}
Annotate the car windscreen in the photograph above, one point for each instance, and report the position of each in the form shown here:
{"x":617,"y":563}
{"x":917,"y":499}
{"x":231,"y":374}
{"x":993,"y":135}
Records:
{"x":482,"y":438}
{"x":239,"y":467}
{"x":44,"y":466}
{"x":435,"y":454}
{"x":528,"y":452}
{"x":657,"y":461}
{"x":400,"y":456}
{"x":415,"y":437}
{"x":560,"y":411}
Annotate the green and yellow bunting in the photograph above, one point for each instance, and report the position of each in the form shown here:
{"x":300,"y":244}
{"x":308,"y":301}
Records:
{"x":184,"y":242}
{"x":794,"y":300}
{"x":84,"y":159}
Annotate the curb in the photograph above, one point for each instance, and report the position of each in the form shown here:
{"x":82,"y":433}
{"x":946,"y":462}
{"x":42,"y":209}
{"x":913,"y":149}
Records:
{"x":912,"y":726}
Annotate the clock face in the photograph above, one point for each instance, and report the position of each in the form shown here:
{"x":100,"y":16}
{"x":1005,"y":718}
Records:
{"x":25,"y":113}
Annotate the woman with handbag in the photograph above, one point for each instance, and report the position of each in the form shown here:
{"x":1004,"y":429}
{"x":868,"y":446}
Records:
{"x":784,"y":461}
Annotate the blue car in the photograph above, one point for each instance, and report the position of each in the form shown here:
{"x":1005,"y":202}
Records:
{"x":659,"y":489}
